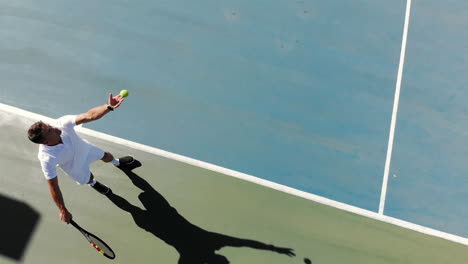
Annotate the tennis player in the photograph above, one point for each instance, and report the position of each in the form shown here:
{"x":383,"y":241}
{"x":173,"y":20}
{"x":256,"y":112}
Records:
{"x":60,"y":145}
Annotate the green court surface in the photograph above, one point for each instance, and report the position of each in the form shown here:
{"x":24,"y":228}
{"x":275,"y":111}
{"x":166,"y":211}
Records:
{"x":213,"y":210}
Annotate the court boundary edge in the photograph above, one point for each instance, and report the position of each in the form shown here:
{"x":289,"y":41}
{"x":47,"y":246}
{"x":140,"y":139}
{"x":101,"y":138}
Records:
{"x":249,"y":178}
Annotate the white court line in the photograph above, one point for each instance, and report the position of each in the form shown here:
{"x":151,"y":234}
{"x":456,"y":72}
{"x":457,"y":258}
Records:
{"x":391,"y":136}
{"x":246,"y":177}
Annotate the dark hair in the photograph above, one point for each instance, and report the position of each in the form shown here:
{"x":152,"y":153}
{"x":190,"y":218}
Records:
{"x":35,"y":132}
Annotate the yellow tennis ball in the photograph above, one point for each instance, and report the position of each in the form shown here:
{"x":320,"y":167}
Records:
{"x":124,"y":93}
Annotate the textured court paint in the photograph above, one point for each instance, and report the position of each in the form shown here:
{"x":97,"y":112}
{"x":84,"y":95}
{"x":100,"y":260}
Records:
{"x":430,"y":157}
{"x":207,"y":199}
{"x":295,"y":92}
{"x":302,"y":91}
{"x":245,"y":177}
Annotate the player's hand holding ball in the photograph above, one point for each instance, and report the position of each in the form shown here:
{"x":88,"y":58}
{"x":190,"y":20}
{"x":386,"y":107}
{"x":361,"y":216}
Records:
{"x":116,"y":101}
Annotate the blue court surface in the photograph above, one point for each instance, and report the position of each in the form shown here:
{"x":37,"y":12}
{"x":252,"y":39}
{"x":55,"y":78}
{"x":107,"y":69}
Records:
{"x":299,"y":93}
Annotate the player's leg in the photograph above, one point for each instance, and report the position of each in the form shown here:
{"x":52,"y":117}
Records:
{"x":108,"y":157}
{"x":101,"y":188}
{"x":124,"y":163}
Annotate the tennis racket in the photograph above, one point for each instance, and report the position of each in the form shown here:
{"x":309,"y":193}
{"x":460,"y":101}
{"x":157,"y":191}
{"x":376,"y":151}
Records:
{"x":95,"y":241}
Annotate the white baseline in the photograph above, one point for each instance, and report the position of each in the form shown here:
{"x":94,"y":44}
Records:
{"x":246,"y":177}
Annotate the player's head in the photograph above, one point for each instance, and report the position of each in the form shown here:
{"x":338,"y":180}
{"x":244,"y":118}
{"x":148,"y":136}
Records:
{"x":217,"y":259}
{"x":36,"y":132}
{"x":42,"y":133}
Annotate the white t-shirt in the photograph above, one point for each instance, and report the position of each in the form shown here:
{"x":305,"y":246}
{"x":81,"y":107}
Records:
{"x":73,"y":156}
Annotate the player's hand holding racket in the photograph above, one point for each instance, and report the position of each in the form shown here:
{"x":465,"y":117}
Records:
{"x":65,"y":215}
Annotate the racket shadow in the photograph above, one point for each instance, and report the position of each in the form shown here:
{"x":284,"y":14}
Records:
{"x":194,"y":244}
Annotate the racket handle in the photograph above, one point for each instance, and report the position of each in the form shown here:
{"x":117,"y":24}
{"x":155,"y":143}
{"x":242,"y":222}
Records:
{"x":75,"y":224}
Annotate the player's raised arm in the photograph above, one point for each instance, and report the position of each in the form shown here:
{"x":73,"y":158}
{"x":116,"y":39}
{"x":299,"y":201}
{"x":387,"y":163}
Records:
{"x":99,"y":111}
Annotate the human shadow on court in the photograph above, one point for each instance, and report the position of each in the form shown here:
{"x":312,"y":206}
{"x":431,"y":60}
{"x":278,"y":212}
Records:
{"x":17,"y":225}
{"x":194,"y":244}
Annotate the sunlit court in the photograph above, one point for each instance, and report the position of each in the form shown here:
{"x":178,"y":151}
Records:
{"x":220,"y":132}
